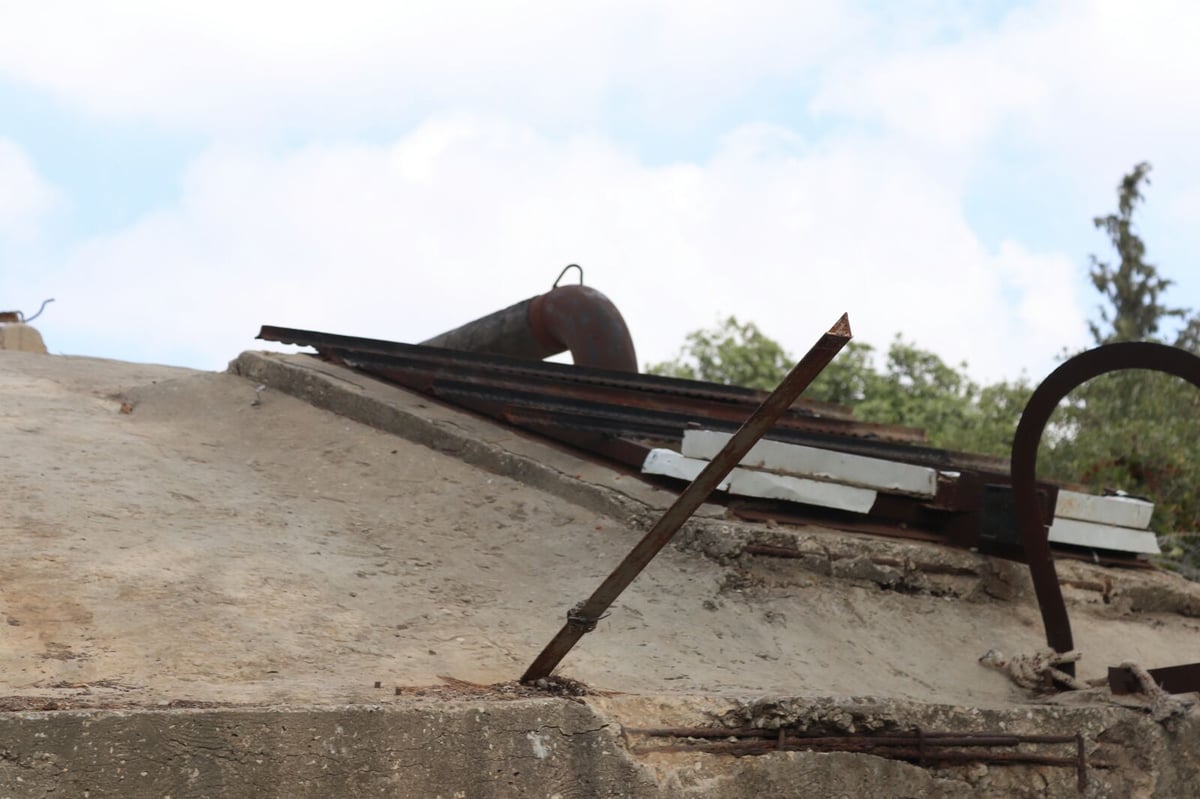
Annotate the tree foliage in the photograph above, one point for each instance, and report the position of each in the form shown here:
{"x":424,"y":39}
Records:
{"x":1133,"y":288}
{"x":913,"y":387}
{"x":733,"y":353}
{"x":1137,"y":432}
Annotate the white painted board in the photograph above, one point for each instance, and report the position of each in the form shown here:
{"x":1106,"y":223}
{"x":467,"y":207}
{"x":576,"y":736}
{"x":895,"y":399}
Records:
{"x":765,"y":485}
{"x":820,"y":464}
{"x":1117,"y":511}
{"x":669,"y":463}
{"x":1103,"y":536}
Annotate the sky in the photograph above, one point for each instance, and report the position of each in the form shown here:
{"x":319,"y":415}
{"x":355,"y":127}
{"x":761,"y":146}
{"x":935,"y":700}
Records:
{"x":177,"y":175}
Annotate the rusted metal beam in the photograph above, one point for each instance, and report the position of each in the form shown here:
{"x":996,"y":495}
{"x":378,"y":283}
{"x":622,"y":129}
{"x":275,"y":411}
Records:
{"x":1172,"y":679}
{"x":457,"y":362}
{"x":622,"y":404}
{"x":1034,"y":532}
{"x":584,"y":616}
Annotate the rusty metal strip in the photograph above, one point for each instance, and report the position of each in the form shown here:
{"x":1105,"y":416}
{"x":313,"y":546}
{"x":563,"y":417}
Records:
{"x":584,"y":616}
{"x":455,"y":362}
{"x":625,"y":405}
{"x":422,"y":378}
{"x":1060,"y":382}
{"x":919,"y":746}
{"x":890,"y":738}
{"x":672,"y":409}
{"x":1172,"y":679}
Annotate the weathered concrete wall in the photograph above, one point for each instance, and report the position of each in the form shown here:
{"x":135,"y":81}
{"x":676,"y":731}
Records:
{"x":513,"y":749}
{"x":552,"y":748}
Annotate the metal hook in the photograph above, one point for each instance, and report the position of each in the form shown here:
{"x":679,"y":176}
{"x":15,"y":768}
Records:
{"x":564,"y":271}
{"x":39,"y":311}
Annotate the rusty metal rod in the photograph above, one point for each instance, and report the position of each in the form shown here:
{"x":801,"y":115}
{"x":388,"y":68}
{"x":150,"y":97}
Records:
{"x":931,"y":755}
{"x":1034,"y":532}
{"x":584,"y":616}
{"x":875,"y":739}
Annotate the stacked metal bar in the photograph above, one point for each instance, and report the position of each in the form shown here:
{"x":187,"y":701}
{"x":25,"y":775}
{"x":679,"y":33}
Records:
{"x":623,"y":417}
{"x":853,"y":483}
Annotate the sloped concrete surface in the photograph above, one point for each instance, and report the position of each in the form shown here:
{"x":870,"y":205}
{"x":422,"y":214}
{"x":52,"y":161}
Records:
{"x":187,"y":558}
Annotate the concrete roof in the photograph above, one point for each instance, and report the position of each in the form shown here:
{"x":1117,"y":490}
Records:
{"x":172,"y":536}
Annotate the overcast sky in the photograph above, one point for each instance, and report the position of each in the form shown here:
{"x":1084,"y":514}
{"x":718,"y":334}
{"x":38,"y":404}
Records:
{"x":177,"y":175}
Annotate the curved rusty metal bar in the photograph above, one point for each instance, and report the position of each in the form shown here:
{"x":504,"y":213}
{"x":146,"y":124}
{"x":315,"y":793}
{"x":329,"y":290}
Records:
{"x":1034,"y":533}
{"x":584,"y":322}
{"x":578,"y":319}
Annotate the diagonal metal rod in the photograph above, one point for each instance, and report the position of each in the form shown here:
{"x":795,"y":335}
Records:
{"x":584,"y":616}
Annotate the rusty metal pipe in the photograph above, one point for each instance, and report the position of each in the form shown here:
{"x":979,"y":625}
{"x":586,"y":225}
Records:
{"x":584,"y":616}
{"x":1034,"y":533}
{"x":577,"y":319}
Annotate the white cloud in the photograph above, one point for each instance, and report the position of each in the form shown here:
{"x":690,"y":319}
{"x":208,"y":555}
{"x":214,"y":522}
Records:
{"x":466,"y":215}
{"x":788,"y":227}
{"x":248,"y":66}
{"x":1097,"y":84}
{"x":25,"y":196}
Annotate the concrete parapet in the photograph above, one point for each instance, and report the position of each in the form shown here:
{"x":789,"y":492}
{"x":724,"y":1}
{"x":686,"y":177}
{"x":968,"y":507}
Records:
{"x":21,"y":337}
{"x":552,"y":748}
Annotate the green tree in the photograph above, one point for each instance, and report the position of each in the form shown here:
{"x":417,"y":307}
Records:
{"x":915,"y":387}
{"x":1133,"y":287}
{"x":733,"y":353}
{"x":918,"y":389}
{"x":1135,"y":431}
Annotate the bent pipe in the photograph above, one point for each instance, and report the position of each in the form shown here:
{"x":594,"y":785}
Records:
{"x":1034,"y":533}
{"x":577,"y":319}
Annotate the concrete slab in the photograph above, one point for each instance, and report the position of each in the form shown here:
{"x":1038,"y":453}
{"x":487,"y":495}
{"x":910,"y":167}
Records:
{"x":555,"y":748}
{"x":173,"y":540}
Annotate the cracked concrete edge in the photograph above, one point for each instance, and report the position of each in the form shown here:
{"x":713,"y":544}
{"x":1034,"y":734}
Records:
{"x":927,"y":567}
{"x":914,"y":566}
{"x":557,"y":747}
{"x":472,"y":439}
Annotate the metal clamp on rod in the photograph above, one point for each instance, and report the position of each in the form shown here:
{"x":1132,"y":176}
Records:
{"x":576,"y":619}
